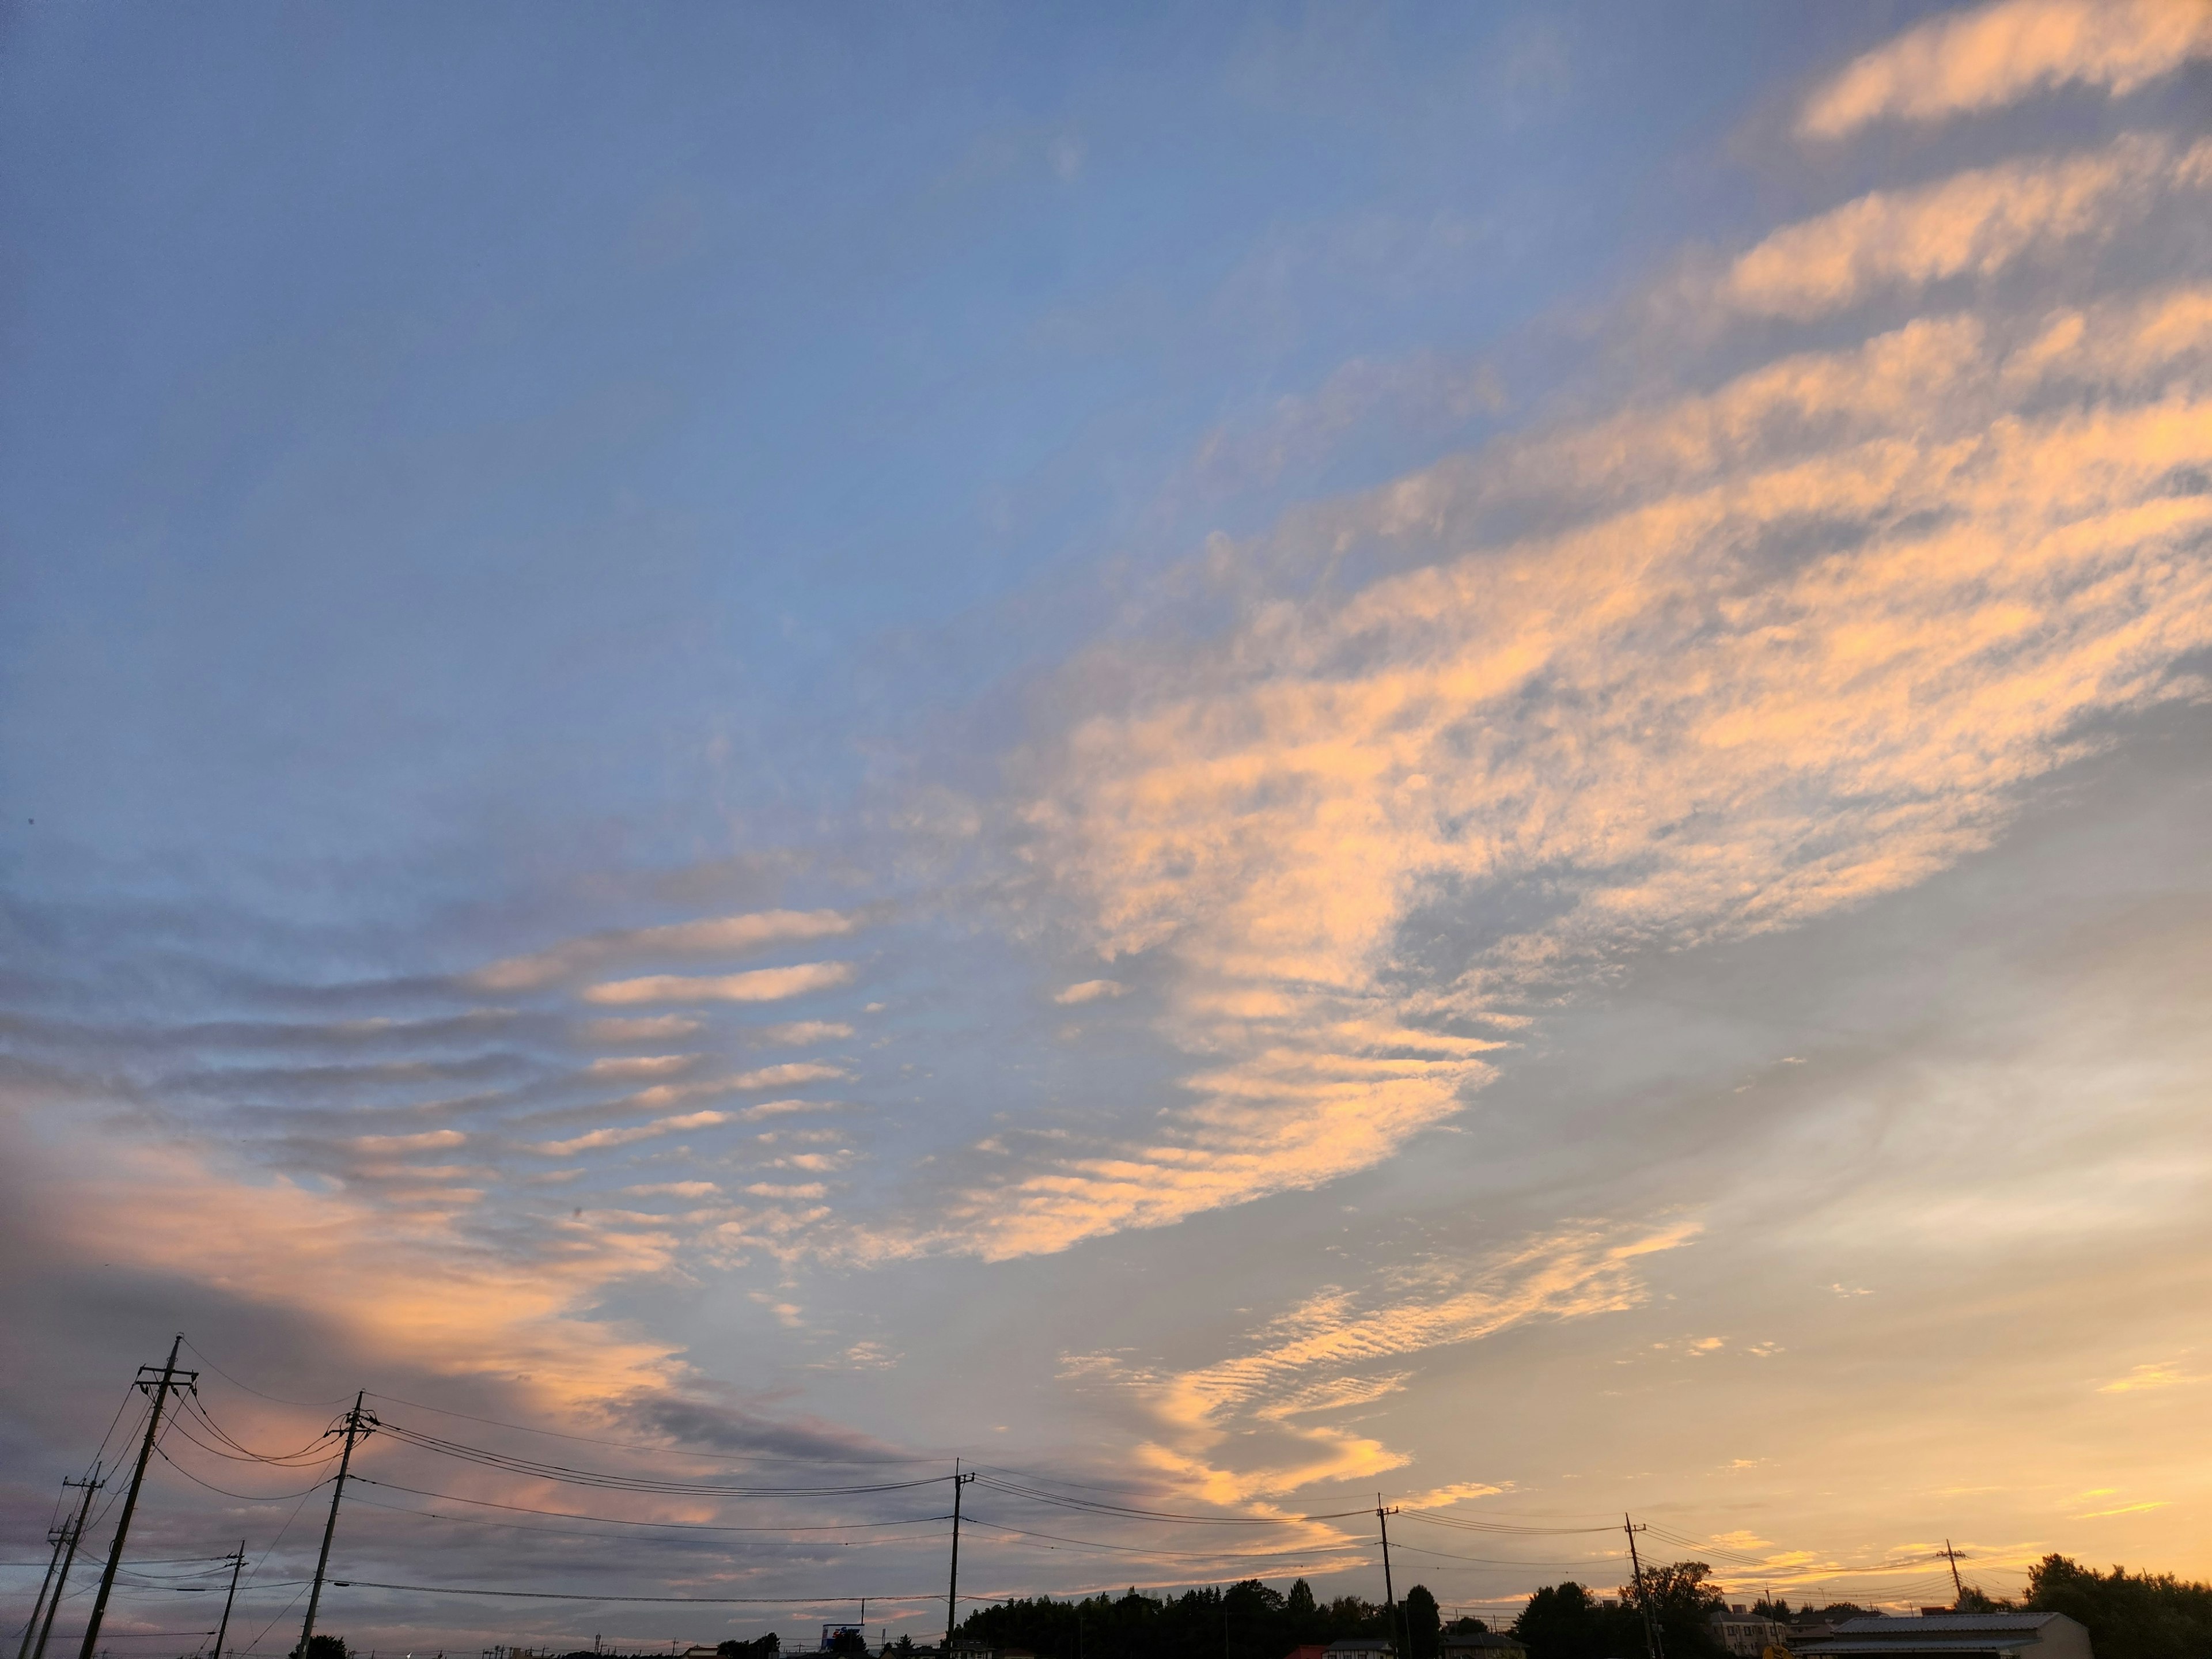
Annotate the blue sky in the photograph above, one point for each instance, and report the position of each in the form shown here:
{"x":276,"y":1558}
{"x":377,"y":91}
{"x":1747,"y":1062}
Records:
{"x":1175,"y":745}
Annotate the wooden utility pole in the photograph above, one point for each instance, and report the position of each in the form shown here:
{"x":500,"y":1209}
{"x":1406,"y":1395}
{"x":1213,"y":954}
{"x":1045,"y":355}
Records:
{"x":1389,"y":1596}
{"x":952,"y":1589}
{"x":354,"y":1420}
{"x":158,"y":1388}
{"x":237,"y":1562}
{"x":1643,"y":1598}
{"x":65,"y":1543}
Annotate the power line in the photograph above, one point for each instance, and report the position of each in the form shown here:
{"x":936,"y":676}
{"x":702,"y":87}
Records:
{"x":243,"y":1497}
{"x":579,"y":1596}
{"x":1138,"y":1549}
{"x":571,"y":1476}
{"x":1177,"y":1516}
{"x":159,"y":1394}
{"x":629,"y":1445}
{"x":1490,"y":1561}
{"x":621,"y":1521}
{"x":275,"y":1399}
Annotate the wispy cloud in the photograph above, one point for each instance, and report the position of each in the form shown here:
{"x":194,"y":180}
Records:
{"x":2157,"y":1374}
{"x":1974,"y":223}
{"x":637,"y":1066}
{"x":1334,"y":1352}
{"x":627,"y":1135}
{"x":760,"y":985}
{"x":1805,"y":638}
{"x":1090,"y":990}
{"x":1998,"y":54}
{"x":715,"y":936}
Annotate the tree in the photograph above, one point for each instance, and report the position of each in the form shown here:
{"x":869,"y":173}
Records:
{"x":323,"y":1647}
{"x":760,"y":1647}
{"x":1423,"y":1621}
{"x":1565,"y":1621}
{"x":2128,"y":1616}
{"x":849,"y":1640}
{"x":1683,"y":1600}
{"x":904,"y":1646}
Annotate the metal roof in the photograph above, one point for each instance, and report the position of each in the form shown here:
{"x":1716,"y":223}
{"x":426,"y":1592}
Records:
{"x":1992,"y":1642}
{"x":1943,"y":1624}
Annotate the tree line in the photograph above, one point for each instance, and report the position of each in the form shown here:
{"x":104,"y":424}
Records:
{"x":2141,"y":1615}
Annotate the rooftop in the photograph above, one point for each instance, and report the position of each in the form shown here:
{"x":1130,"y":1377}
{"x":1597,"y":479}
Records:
{"x":1937,"y":1623}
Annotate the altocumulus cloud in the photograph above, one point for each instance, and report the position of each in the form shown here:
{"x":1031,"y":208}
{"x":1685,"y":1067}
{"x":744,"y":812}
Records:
{"x":759,"y":985}
{"x":1779,"y":646}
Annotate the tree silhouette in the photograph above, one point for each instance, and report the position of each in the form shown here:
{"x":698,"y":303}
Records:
{"x":1423,"y":1621}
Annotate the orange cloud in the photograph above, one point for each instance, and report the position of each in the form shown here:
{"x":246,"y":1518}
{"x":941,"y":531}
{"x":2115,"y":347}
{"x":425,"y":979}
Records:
{"x":635,"y":1132}
{"x":761,"y":984}
{"x":1973,"y":223}
{"x":1998,"y":54}
{"x":1322,"y":1356}
{"x":716,"y":936}
{"x":1804,"y":638}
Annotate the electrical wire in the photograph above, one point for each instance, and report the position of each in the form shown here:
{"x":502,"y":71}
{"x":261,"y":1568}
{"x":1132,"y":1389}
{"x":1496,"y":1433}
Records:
{"x":272,"y":1625}
{"x":1095,"y":1508}
{"x":275,"y":1399}
{"x":243,"y":1497}
{"x":316,"y":1450}
{"x":1460,"y":1523}
{"x":1197,"y":1555}
{"x":1489,"y":1561}
{"x":619,"y":1521}
{"x":685,"y":1600}
{"x":564,"y":1474}
{"x":628,"y":1445}
{"x":563,"y":1532}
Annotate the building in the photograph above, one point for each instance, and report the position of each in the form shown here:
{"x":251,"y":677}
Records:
{"x":1479,"y":1645}
{"x":1360,"y":1647}
{"x":1953,"y":1636}
{"x":1746,"y":1635}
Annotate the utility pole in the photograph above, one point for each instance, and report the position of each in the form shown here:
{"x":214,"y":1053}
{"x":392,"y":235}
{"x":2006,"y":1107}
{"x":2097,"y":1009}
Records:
{"x":75,"y":1532}
{"x":953,"y":1591}
{"x":237,"y":1562}
{"x":158,"y":1389}
{"x":57,"y":1537}
{"x":1957,"y":1590}
{"x":1389,"y":1596}
{"x":1642,"y":1597}
{"x":354,"y":1421}
{"x":63,"y":1539}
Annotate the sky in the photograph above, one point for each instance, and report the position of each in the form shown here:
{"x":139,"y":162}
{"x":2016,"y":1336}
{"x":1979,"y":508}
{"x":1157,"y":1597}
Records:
{"x":1226,"y":758}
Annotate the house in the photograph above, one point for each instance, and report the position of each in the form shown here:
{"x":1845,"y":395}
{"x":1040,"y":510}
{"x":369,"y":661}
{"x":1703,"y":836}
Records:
{"x":1479,"y":1645}
{"x":1360,"y":1647}
{"x":1309,"y":1650}
{"x":1953,"y":1636}
{"x":1746,"y":1635}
